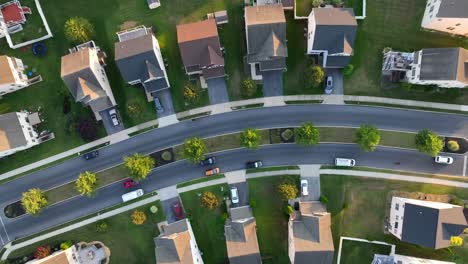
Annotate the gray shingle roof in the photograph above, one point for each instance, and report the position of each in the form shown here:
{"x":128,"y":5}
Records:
{"x":173,"y":245}
{"x":11,"y":133}
{"x":338,"y":61}
{"x":439,"y":64}
{"x":453,"y":8}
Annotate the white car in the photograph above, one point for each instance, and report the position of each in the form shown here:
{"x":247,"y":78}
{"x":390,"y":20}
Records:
{"x":113,"y":116}
{"x":234,"y":195}
{"x":444,"y":160}
{"x":304,"y":187}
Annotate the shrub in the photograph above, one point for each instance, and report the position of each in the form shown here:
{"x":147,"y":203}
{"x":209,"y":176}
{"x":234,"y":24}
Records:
{"x":66,"y":244}
{"x":166,"y":155}
{"x":88,"y":129}
{"x":209,"y":200}
{"x":66,"y":107}
{"x":191,"y":93}
{"x":250,"y":138}
{"x":138,"y":217}
{"x":153,"y":209}
{"x":79,"y":30}
{"x":253,"y":203}
{"x":224,"y":216}
{"x":194,"y":149}
{"x":288,"y":190}
{"x":407,"y":86}
{"x":457,"y":201}
{"x":348,"y":70}
{"x":135,"y":109}
{"x":316,"y":3}
{"x":307,"y":134}
{"x":42,"y":252}
{"x":452,"y":145}
{"x":314,"y":75}
{"x":249,"y":87}
{"x":101,"y":226}
{"x":465,"y":231}
{"x":323,"y":199}
{"x":456,"y":241}
{"x":288,"y":210}
{"x":34,"y":200}
{"x":139,"y":166}
{"x":345,"y":205}
{"x":287,"y":134}
{"x":367,"y":137}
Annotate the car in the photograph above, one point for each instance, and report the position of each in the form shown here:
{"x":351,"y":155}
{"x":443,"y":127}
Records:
{"x":132,"y":195}
{"x":211,"y":172}
{"x":254,"y":164}
{"x":329,"y":85}
{"x":234,"y":195}
{"x":158,"y":105}
{"x":304,"y":187}
{"x":129,"y":183}
{"x":91,"y":155}
{"x":208,"y":161}
{"x":177,"y":208}
{"x":444,"y":160}
{"x":343,"y":162}
{"x":113,"y":116}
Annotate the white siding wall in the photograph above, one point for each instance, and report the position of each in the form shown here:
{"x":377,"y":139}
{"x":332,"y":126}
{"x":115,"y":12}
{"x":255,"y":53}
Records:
{"x":193,"y":244}
{"x":310,"y":32}
{"x":28,"y":132}
{"x":157,"y":51}
{"x":100,"y":74}
{"x":20,"y":78}
{"x":457,"y":26}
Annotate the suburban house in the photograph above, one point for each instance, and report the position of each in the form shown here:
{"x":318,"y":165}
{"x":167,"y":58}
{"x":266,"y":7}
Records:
{"x":240,"y":231}
{"x":81,"y":253}
{"x":12,"y":77}
{"x":330,"y":35}
{"x":200,"y":50}
{"x":400,"y":259}
{"x":426,"y":223}
{"x":17,"y":132}
{"x":444,"y":67}
{"x":265,"y":27}
{"x":138,"y":57}
{"x":309,"y":234}
{"x":12,"y":17}
{"x":450,"y":16}
{"x":83,"y":74}
{"x":176,"y":244}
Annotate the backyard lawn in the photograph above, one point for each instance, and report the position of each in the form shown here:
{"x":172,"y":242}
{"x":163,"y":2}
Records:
{"x":127,"y":242}
{"x":350,"y":199}
{"x":208,"y":225}
{"x":396,"y":24}
{"x":361,"y":252}
{"x":272,"y":222}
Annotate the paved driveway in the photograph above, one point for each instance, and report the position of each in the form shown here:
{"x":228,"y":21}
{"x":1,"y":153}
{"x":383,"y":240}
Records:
{"x":272,"y":83}
{"x":314,"y":188}
{"x":217,"y":90}
{"x":168,"y":211}
{"x":166,"y":101}
{"x":243,"y":191}
{"x":107,"y":122}
{"x":337,"y":80}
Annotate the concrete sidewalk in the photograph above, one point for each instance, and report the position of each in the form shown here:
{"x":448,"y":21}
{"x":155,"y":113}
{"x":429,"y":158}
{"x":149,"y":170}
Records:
{"x":202,"y":185}
{"x":272,"y":173}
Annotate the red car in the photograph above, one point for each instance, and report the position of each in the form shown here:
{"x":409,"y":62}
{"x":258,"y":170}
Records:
{"x":178,"y":210}
{"x":130,"y":183}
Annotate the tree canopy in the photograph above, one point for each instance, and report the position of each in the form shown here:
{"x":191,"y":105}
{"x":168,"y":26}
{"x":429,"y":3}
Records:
{"x":307,"y":134}
{"x":429,"y":142}
{"x":314,"y":75}
{"x":367,"y":137}
{"x":79,"y":30}
{"x":194,"y":149}
{"x":34,"y":200}
{"x":138,"y":217}
{"x":249,"y":87}
{"x":86,"y":183}
{"x":288,"y":190}
{"x":210,"y":200}
{"x":250,"y":138}
{"x":139,"y":166}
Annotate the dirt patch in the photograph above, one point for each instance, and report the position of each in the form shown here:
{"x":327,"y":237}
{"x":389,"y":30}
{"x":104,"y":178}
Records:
{"x":128,"y":24}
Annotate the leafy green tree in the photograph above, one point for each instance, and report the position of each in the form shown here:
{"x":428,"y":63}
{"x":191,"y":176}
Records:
{"x":314,"y":75}
{"x":194,"y":149}
{"x":367,"y":137}
{"x":139,"y":166}
{"x":86,"y":183}
{"x":429,"y":142}
{"x":34,"y":200}
{"x":78,"y":30}
{"x":288,"y":190}
{"x":250,"y":138}
{"x":249,"y":87}
{"x":307,"y":134}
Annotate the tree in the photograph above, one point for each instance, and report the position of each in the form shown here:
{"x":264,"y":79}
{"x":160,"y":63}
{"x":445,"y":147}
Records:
{"x":135,"y":108}
{"x":79,"y":30}
{"x":307,"y":134}
{"x":348,"y":70}
{"x":86,"y":183}
{"x":139,"y":166}
{"x":250,"y":138}
{"x":210,"y":200}
{"x":367,"y":137}
{"x":138,"y":217}
{"x":88,"y":129}
{"x":288,"y":190}
{"x":453,"y":146}
{"x":314,"y":75}
{"x":456,"y":241}
{"x":194,"y":149}
{"x":34,"y":200}
{"x":42,"y":252}
{"x":316,"y":3}
{"x":249,"y":87}
{"x":429,"y":142}
{"x":191,"y":94}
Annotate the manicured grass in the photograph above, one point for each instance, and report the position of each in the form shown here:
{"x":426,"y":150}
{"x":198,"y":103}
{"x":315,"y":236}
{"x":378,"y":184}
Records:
{"x":361,"y":252}
{"x":396,"y":24}
{"x":207,"y":225}
{"x":272,"y":222}
{"x":200,"y":180}
{"x":127,"y":242}
{"x":278,"y":168}
{"x":34,"y":27}
{"x":351,"y":197}
{"x":303,"y":7}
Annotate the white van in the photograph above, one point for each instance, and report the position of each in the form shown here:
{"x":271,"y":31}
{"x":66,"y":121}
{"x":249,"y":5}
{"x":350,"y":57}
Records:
{"x":345,"y":162}
{"x":132,"y":195}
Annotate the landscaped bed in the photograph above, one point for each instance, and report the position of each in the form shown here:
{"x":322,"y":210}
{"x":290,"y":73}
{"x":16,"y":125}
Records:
{"x":361,"y":252}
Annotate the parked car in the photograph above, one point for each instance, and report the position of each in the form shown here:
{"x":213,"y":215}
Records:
{"x":304,"y":187}
{"x":254,"y":164}
{"x":208,"y":161}
{"x":444,"y":160}
{"x":177,"y":207}
{"x":129,"y":183}
{"x":158,"y":105}
{"x":113,"y":116}
{"x":345,"y":162}
{"x":234,"y":195}
{"x":329,"y":85}
{"x":132,"y":195}
{"x":211,"y":172}
{"x":91,"y":155}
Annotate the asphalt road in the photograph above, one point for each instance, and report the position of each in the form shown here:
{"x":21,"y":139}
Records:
{"x":273,"y":155}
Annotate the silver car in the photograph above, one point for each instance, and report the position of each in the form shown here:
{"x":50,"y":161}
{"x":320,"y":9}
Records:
{"x":329,"y":85}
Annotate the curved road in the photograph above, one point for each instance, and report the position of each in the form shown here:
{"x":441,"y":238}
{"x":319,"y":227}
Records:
{"x":322,"y":115}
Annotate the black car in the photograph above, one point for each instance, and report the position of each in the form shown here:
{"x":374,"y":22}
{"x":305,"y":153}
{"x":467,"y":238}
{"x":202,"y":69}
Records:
{"x":254,"y":164}
{"x":208,"y":161}
{"x":91,"y":155}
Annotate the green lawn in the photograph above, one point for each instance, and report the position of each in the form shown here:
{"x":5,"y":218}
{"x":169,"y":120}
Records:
{"x":361,"y":252}
{"x":272,"y":223}
{"x":207,"y":225}
{"x":396,"y":24}
{"x":34,"y":27}
{"x":351,"y":197}
{"x":303,"y":7}
{"x":128,"y":243}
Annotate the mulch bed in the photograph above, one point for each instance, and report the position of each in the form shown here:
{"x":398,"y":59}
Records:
{"x":461,"y":142}
{"x":158,"y":157}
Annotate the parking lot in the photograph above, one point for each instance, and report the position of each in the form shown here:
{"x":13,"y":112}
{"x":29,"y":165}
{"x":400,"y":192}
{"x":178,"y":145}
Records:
{"x":107,"y":122}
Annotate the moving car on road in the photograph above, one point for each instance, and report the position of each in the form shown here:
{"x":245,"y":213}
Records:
{"x":342,"y":162}
{"x":132,"y":195}
{"x":129,"y":183}
{"x":208,"y":161}
{"x":113,"y":116}
{"x":304,"y":187}
{"x":329,"y":85}
{"x":91,"y":155}
{"x":211,"y":172}
{"x":234,"y":195}
{"x":444,"y":160}
{"x":177,"y":210}
{"x":254,"y":164}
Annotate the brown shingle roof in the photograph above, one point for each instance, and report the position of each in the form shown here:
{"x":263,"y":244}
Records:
{"x":173,"y":245}
{"x":266,"y":14}
{"x":198,"y":30}
{"x":11,"y":133}
{"x":75,"y":62}
{"x":462,"y":69}
{"x":6,"y":76}
{"x":334,"y":16}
